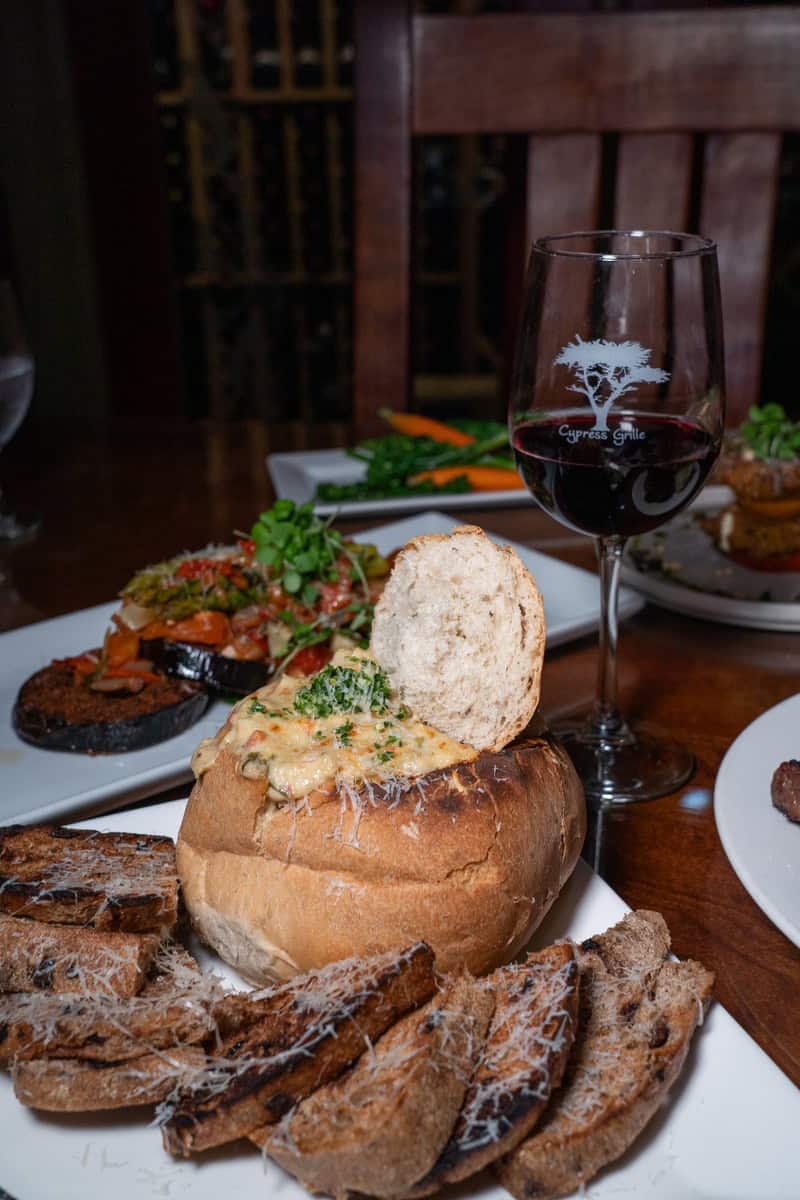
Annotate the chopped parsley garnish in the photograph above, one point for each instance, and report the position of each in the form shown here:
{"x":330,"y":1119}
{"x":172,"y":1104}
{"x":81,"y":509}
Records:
{"x":345,"y":690}
{"x":403,"y":713}
{"x":384,"y":755}
{"x":344,"y":734}
{"x":770,"y":433}
{"x":256,"y":707}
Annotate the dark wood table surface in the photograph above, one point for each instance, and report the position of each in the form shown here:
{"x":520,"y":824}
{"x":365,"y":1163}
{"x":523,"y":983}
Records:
{"x":135,"y":494}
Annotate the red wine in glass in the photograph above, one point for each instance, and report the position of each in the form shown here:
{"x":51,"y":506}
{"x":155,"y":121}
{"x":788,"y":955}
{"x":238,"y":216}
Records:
{"x":615,"y":417}
{"x":618,"y":482}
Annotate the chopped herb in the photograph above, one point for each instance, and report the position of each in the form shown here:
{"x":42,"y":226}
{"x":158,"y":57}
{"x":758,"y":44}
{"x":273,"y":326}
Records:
{"x":403,"y":713}
{"x":256,"y":707}
{"x":344,"y":733}
{"x":320,"y":734}
{"x":393,"y":741}
{"x":345,"y":690}
{"x":384,"y":755}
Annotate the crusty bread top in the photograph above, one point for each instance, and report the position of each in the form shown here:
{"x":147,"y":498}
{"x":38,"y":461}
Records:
{"x":460,"y":631}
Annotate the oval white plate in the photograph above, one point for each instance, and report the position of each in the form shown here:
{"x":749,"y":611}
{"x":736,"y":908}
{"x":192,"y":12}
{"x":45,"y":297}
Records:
{"x":762,"y":844}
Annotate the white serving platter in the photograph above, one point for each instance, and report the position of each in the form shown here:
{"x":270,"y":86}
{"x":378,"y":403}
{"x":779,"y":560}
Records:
{"x":727,"y":1132}
{"x":40,"y":784}
{"x":762,"y":844}
{"x":296,"y":476}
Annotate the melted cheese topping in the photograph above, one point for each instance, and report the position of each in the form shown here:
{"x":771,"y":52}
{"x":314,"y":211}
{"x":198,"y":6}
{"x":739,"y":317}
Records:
{"x":296,"y":754}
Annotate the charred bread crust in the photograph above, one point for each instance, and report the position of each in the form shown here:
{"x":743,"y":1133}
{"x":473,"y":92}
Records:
{"x":470,"y":858}
{"x":65,"y":1085}
{"x":206,"y":666}
{"x":53,"y":713}
{"x":524,"y":1057}
{"x":311,"y":1038}
{"x":120,"y":881}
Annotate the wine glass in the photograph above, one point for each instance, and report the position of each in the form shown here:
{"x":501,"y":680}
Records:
{"x":16,"y":389}
{"x":616,"y":418}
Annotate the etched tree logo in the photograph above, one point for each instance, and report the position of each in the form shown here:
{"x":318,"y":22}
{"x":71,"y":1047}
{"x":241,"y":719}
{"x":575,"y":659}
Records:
{"x":606,"y":371}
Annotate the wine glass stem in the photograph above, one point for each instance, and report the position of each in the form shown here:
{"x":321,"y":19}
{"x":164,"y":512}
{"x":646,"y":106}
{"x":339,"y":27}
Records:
{"x":606,"y":722}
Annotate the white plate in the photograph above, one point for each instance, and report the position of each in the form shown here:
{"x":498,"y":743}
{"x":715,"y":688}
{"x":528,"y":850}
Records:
{"x":690,"y":575}
{"x":712,"y":1140}
{"x":761,"y":843}
{"x":37,"y":784}
{"x":297,"y":475}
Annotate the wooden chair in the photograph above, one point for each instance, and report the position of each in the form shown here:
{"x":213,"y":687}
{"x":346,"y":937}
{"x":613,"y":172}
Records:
{"x":699,"y":99}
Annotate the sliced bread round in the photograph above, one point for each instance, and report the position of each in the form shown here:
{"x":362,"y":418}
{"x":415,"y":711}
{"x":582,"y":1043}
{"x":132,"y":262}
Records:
{"x":460,"y":630}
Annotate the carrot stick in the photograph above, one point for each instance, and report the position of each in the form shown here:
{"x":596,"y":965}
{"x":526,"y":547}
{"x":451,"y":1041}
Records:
{"x":413,"y":425}
{"x":482,"y":479}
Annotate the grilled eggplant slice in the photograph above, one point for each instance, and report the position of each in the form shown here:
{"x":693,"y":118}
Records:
{"x":56,"y":712}
{"x":208,"y":666}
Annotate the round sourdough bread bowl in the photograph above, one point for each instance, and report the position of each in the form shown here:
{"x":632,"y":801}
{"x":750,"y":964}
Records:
{"x":468,"y":858}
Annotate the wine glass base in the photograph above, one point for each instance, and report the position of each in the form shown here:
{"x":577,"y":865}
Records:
{"x":16,"y":528}
{"x":631,"y":767}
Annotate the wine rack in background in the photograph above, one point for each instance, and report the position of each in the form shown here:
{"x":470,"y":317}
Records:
{"x":255,"y":111}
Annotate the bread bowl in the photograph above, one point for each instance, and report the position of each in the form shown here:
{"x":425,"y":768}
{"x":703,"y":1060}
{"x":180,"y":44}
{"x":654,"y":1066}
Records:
{"x":316,"y":833}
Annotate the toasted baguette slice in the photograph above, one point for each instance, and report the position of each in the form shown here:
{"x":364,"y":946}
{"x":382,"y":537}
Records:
{"x":381,"y":1126}
{"x":64,"y":1085}
{"x":125,"y":881}
{"x":526,"y":1051}
{"x":60,"y":958}
{"x":175,"y":1007}
{"x":319,"y":1025}
{"x":460,"y":630}
{"x":638,"y":1014}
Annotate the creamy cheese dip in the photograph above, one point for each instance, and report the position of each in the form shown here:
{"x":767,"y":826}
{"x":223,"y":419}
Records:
{"x":297,"y":754}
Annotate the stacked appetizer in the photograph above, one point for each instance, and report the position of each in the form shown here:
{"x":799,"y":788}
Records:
{"x":285,"y":597}
{"x":761,"y":463}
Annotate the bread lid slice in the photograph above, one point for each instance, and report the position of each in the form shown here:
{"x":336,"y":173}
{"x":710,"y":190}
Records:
{"x":638,"y":1011}
{"x":381,"y":1126}
{"x":523,"y":1059}
{"x":460,"y":630}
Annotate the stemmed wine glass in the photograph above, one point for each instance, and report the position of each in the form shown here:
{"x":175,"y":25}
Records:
{"x":616,"y":418}
{"x":16,"y":389}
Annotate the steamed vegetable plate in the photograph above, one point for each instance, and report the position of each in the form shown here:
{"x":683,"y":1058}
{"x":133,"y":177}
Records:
{"x":424,"y":457}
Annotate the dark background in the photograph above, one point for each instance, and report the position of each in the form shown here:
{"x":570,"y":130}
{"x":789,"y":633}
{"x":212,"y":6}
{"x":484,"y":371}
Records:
{"x":176,"y":213}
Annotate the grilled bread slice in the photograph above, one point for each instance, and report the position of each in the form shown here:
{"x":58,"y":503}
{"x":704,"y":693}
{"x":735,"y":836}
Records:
{"x":381,"y":1126}
{"x":526,"y":1051}
{"x":318,"y":1027}
{"x":124,"y":881}
{"x":175,"y":1007}
{"x":35,"y":957}
{"x":460,"y":631}
{"x":65,"y":1085}
{"x":638,"y":1012}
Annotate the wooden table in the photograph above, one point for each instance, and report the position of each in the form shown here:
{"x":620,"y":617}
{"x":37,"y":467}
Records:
{"x":113,"y":502}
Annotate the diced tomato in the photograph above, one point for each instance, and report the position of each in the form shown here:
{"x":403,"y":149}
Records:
{"x":209,"y":568}
{"x":247,"y":546}
{"x":310,"y":659}
{"x":81,"y":664}
{"x":209,"y":628}
{"x":775,"y":562}
{"x":250,"y":648}
{"x":121,"y":647}
{"x":333,"y":596}
{"x":130,"y":671}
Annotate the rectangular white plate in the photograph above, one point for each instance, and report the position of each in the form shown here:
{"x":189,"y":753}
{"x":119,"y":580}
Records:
{"x":297,"y":475}
{"x":727,"y":1132}
{"x":42,"y":784}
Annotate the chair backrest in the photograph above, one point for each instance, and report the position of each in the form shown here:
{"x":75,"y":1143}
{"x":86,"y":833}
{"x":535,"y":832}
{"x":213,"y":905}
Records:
{"x":700,"y":100}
